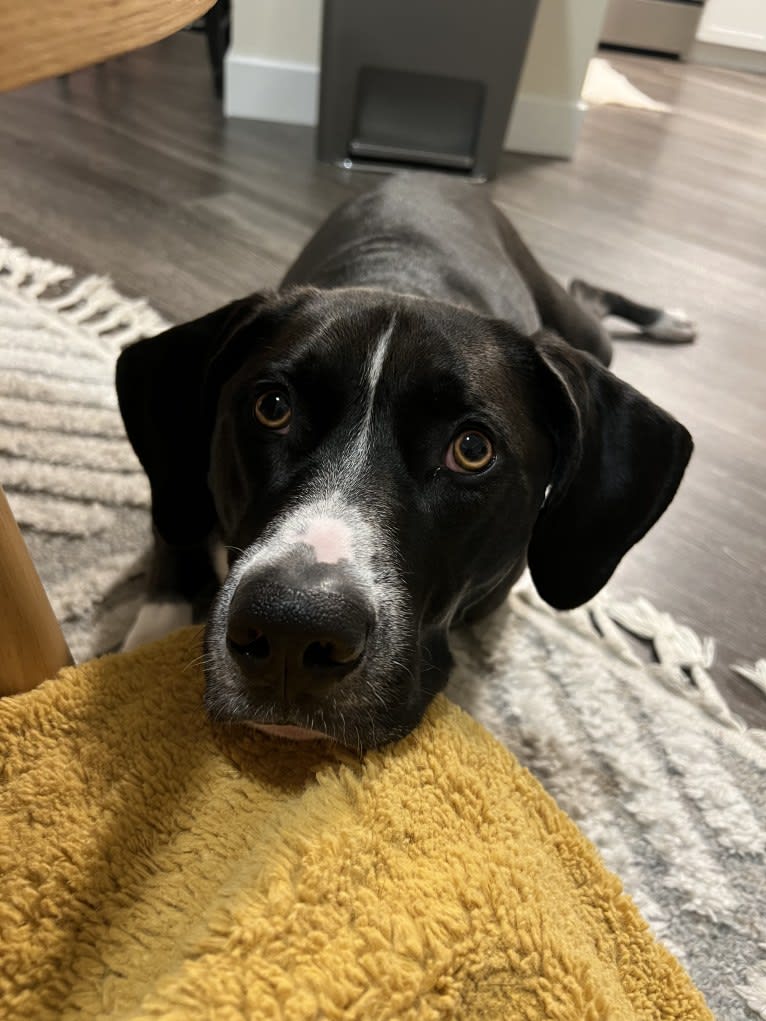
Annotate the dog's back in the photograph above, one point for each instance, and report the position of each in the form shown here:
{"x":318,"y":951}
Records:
{"x":428,"y":235}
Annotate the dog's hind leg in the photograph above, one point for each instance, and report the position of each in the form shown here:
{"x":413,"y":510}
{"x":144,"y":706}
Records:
{"x":572,"y":320}
{"x":668,"y":325}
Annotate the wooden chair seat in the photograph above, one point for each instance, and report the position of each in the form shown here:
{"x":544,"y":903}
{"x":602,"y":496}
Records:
{"x":40,"y":39}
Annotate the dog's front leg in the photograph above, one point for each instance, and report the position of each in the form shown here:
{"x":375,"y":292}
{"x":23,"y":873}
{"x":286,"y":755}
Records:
{"x":181,"y":584}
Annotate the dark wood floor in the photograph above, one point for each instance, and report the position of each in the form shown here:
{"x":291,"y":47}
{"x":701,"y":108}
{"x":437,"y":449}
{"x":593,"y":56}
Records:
{"x":129,"y":169}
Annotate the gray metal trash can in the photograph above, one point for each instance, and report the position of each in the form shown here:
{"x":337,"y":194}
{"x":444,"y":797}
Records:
{"x":420,"y":82}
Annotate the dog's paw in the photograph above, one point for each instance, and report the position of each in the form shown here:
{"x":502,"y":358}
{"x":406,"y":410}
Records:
{"x":672,"y":326}
{"x":155,"y":620}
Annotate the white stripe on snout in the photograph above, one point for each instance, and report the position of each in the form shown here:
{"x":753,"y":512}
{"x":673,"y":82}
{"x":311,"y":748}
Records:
{"x":333,"y":520}
{"x":334,"y":530}
{"x":330,"y":538}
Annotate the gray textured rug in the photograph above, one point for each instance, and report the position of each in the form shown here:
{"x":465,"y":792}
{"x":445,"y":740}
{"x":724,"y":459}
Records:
{"x":647,"y":758}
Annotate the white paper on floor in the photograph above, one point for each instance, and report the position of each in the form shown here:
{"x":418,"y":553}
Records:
{"x":604,"y":85}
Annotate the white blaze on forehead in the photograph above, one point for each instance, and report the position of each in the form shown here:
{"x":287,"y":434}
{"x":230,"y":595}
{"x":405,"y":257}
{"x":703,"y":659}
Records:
{"x":330,"y":538}
{"x":358,"y":448}
{"x":335,"y":528}
{"x":374,"y":372}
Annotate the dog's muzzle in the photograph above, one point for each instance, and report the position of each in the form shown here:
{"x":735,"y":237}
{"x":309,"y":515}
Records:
{"x":311,"y":634}
{"x":295,"y":632}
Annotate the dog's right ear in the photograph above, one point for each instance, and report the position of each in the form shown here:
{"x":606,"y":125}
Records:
{"x":160,"y":383}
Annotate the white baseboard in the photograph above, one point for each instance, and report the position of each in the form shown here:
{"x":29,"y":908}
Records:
{"x":543,"y":126}
{"x":732,"y":58}
{"x":276,"y":90}
{"x":270,"y":90}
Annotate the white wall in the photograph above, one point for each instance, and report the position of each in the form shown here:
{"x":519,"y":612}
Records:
{"x":734,"y":23}
{"x":548,"y":113}
{"x":272,"y":68}
{"x":278,"y":29}
{"x":732,"y":33}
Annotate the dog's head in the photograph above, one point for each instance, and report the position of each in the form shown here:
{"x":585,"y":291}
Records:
{"x":381,"y":468}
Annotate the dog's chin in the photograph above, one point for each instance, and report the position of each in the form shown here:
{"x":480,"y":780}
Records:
{"x":359,"y":733}
{"x":288,"y":732}
{"x":362,"y":721}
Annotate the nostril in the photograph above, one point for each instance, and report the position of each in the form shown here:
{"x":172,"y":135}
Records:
{"x":327,"y":653}
{"x":249,"y":642}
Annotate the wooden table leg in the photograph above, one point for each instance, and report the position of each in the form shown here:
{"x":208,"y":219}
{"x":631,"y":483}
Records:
{"x":32,"y":645}
{"x":43,"y":38}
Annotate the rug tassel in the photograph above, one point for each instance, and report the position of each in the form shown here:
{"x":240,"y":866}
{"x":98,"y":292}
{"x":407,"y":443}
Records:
{"x":92,"y":302}
{"x":26,"y":273}
{"x":756,"y":673}
{"x":611,"y":634}
{"x":754,"y":993}
{"x":684,"y":659}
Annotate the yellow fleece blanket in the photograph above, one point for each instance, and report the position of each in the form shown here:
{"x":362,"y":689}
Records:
{"x":155,"y":866}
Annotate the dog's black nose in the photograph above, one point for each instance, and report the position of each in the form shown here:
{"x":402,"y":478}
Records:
{"x":297,"y":638}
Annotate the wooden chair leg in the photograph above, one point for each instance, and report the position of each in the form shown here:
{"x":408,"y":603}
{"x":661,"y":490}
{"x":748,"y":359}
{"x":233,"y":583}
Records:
{"x":217,"y":30}
{"x":32,"y":645}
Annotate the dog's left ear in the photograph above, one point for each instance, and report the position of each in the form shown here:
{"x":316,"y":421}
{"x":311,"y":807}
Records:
{"x":160,"y":385}
{"x":618,"y":462}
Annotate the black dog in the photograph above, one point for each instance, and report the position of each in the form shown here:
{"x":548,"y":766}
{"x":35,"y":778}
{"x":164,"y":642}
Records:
{"x":382,"y":446}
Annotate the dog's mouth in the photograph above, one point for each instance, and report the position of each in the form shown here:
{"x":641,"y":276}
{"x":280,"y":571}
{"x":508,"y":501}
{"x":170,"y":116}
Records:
{"x":289,"y":732}
{"x":366,"y":715}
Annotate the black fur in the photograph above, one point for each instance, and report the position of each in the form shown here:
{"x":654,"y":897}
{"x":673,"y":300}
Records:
{"x":483,"y":337}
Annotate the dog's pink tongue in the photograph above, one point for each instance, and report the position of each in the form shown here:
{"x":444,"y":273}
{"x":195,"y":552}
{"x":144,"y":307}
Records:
{"x":289,"y":732}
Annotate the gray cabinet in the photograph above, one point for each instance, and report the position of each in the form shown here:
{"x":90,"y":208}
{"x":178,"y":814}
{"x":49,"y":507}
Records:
{"x":420,"y":82}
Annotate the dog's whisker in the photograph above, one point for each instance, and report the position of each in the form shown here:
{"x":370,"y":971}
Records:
{"x":373,"y":742}
{"x":205,"y":659}
{"x":358,"y":742}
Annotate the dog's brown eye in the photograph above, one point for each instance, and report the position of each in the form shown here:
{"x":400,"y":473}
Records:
{"x":471,"y":451}
{"x":273,"y":410}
